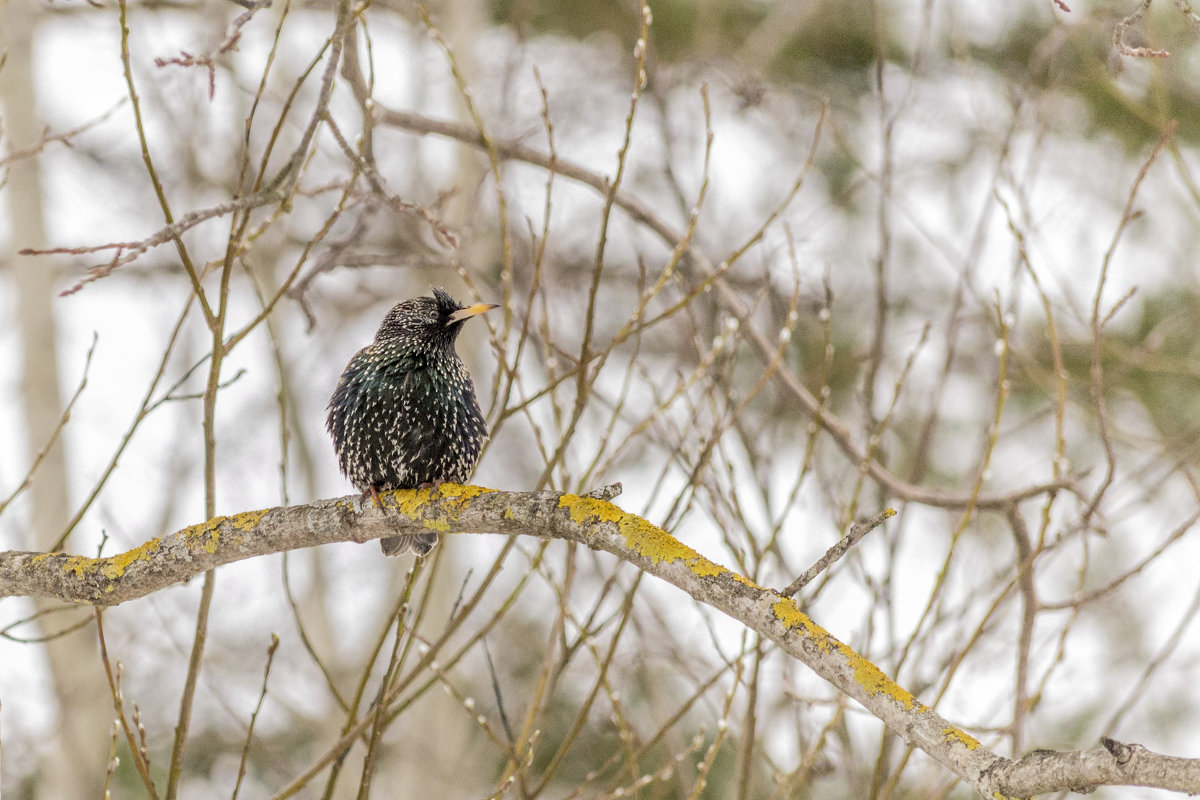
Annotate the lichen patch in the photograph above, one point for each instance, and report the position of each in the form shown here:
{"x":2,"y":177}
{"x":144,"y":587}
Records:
{"x":870,"y":677}
{"x":641,"y":537}
{"x":246,"y":520}
{"x":416,"y":503}
{"x":951,"y":735}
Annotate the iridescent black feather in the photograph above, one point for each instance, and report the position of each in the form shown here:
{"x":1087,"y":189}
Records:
{"x":404,"y":413}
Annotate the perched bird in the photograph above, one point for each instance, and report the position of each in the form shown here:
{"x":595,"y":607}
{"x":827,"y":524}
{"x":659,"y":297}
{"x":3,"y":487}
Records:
{"x":404,"y":414}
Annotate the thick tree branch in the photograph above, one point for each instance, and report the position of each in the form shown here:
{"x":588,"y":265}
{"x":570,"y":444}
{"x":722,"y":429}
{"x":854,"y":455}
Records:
{"x":1110,"y":763}
{"x":600,"y":525}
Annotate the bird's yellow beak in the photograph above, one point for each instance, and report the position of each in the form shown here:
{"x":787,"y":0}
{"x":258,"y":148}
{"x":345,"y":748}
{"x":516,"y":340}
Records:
{"x":470,"y":311}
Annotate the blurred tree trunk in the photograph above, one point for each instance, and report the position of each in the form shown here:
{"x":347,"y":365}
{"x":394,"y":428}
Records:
{"x":84,"y":704}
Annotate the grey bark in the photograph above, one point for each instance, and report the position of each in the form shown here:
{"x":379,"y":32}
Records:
{"x":599,"y":525}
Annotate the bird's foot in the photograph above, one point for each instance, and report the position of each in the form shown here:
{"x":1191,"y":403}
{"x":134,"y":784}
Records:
{"x":373,"y":493}
{"x":433,"y":485}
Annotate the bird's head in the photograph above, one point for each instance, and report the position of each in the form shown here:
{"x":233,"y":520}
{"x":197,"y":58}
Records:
{"x":425,"y":322}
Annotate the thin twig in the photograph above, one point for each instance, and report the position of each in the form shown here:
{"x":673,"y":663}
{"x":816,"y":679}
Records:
{"x":1118,"y":37}
{"x":857,"y":531}
{"x":114,"y":688}
{"x":58,"y":429}
{"x":262,"y":695}
{"x":841,"y":433}
{"x":1098,"y":321}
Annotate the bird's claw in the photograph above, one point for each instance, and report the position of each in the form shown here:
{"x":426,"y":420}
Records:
{"x":432,"y":485}
{"x":373,"y":493}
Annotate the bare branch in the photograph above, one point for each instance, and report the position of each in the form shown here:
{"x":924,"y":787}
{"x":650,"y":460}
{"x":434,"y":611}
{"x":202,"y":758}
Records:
{"x":1110,"y":763}
{"x":601,"y":526}
{"x":640,"y":212}
{"x":1118,"y":37}
{"x":857,"y":531}
{"x":230,"y":42}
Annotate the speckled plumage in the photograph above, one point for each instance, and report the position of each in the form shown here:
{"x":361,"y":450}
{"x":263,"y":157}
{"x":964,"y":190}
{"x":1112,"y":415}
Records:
{"x":404,"y":413}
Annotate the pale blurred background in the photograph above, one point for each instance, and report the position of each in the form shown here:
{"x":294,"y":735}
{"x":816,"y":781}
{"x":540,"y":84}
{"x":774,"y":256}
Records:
{"x":968,"y":187}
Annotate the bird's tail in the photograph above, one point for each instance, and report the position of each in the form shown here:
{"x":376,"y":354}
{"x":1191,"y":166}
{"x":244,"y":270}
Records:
{"x":419,"y":543}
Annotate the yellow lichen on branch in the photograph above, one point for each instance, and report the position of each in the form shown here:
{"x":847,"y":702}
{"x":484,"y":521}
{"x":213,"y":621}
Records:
{"x":870,"y":677}
{"x":112,"y":567}
{"x":641,"y":537}
{"x":417,"y":505}
{"x":962,"y":737}
{"x":590,"y":521}
{"x":246,"y":520}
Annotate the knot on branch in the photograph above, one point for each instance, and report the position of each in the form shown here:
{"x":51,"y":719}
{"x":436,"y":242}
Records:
{"x":1122,"y":753}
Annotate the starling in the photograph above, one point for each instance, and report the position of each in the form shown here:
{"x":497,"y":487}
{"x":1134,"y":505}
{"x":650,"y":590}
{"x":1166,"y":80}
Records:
{"x":404,"y":413}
